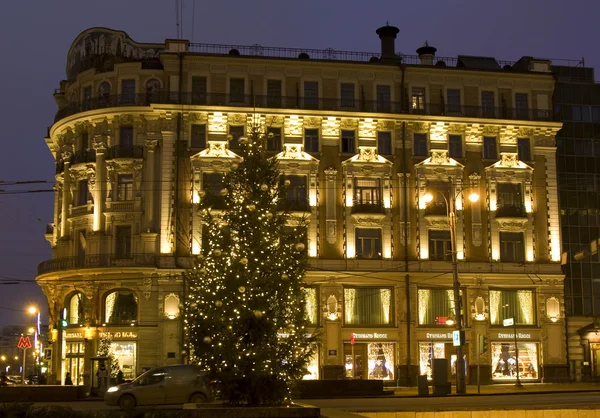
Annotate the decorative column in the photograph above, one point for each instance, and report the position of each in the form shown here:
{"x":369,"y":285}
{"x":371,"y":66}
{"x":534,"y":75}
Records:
{"x":58,"y":190}
{"x":100,"y":189}
{"x":149,"y":185}
{"x":167,"y":224}
{"x":331,"y":204}
{"x":66,"y":200}
{"x":404,"y":223}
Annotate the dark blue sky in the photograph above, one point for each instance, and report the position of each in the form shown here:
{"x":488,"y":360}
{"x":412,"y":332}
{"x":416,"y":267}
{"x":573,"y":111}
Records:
{"x":36,"y":35}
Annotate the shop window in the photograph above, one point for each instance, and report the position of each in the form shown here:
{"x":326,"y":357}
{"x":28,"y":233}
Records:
{"x":516,"y":304}
{"x":311,"y":304}
{"x":436,"y":306}
{"x":373,"y":361}
{"x":429,"y":351}
{"x":75,"y":308}
{"x":368,"y":243}
{"x":311,"y":140}
{"x":124,"y":354}
{"x":440,"y":246}
{"x":74,"y":361}
{"x":512,"y":249}
{"x":312,"y":368}
{"x":120,"y":307}
{"x":368,"y":306}
{"x":125,"y":187}
{"x":504,"y":361}
{"x":384,"y":142}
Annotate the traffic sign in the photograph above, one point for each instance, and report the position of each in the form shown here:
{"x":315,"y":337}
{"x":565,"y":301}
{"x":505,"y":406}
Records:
{"x":508,"y":322}
{"x":24,"y":342}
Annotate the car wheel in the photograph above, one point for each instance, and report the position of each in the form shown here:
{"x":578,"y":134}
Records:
{"x":127,"y":402}
{"x":198,"y":398}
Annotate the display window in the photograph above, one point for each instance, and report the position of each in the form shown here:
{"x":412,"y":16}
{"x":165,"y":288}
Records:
{"x":124,"y":353}
{"x":373,"y":361}
{"x":312,"y":368}
{"x":428,"y":351}
{"x":504,"y":361}
{"x":73,"y":361}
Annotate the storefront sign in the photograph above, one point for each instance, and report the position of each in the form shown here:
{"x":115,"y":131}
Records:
{"x":74,"y":335}
{"x":521,"y":336}
{"x":118,"y":335}
{"x":439,"y":335}
{"x":369,"y":336}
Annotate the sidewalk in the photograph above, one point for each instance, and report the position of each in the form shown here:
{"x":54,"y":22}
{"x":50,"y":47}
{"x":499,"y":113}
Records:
{"x":509,"y":388}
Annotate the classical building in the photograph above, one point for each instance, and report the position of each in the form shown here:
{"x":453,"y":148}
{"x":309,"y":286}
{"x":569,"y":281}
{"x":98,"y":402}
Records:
{"x":577,"y":103}
{"x":380,"y":151}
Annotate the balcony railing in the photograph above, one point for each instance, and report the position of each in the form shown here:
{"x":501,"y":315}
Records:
{"x":373,"y":207}
{"x":120,"y":151}
{"x":307,"y":103}
{"x":97,"y":261}
{"x":511,"y":211}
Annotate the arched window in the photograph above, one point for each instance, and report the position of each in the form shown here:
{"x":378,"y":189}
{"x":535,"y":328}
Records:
{"x":152,"y":90}
{"x":75,"y":308}
{"x":120,"y":306}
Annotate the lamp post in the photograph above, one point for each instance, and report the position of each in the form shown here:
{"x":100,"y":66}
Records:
{"x":33,"y":310}
{"x":461,"y":385}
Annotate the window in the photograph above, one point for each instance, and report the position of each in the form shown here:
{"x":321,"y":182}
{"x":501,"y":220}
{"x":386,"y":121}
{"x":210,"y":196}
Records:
{"x":453,"y":105}
{"x":512,"y":303}
{"x":85,"y":141}
{"x":437,"y":206}
{"x":236,"y":133}
{"x":521,"y":106}
{"x":120,"y":306}
{"x":311,"y":94}
{"x":490,"y":151}
{"x":212,"y":184}
{"x":435,"y":306}
{"x":418,"y":100}
{"x":274,"y":93}
{"x":125,"y":187}
{"x":510,"y":200}
{"x":87,"y":97}
{"x":311,"y":304}
{"x":274,"y":139}
{"x":368,"y":306}
{"x":126,"y":136}
{"x":440,"y":246}
{"x":75,"y":308}
{"x":504,"y":364}
{"x":152,"y":91}
{"x":524,"y":149}
{"x":198,"y":136}
{"x":311,"y":140}
{"x":152,"y":377}
{"x":347,"y":94}
{"x":296,"y":193}
{"x":367,"y":192}
{"x":199,"y":90}
{"x":123,"y":242}
{"x":128,"y":91}
{"x":384,"y":142}
{"x":104,"y":93}
{"x":596,"y":114}
{"x":420,"y":145}
{"x":83,"y":194}
{"x":512,"y":249}
{"x":455,"y":146}
{"x":348,"y":141}
{"x":368,"y":243}
{"x":384,"y":98}
{"x":236,"y":90}
{"x":487,"y":104}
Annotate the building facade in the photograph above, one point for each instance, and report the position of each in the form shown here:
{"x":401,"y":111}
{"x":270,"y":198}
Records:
{"x":380,"y":150}
{"x":577,"y":104}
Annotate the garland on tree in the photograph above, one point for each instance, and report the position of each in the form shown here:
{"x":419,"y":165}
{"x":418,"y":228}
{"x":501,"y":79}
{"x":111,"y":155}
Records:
{"x":245,"y":315}
{"x":104,"y":351}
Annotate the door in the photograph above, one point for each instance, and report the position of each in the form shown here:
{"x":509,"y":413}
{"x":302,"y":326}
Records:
{"x":451,"y":356}
{"x":150,"y":388}
{"x":355,"y":361}
{"x":595,"y":355}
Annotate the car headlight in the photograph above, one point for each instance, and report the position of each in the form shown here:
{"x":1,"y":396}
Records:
{"x":113,"y":389}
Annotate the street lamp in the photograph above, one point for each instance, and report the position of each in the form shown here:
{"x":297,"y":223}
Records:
{"x":461,"y":385}
{"x":33,"y":310}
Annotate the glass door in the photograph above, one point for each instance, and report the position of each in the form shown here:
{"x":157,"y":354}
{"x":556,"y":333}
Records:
{"x":355,"y":361}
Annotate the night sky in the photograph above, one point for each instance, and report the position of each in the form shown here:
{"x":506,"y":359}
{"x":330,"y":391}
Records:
{"x":36,"y":36}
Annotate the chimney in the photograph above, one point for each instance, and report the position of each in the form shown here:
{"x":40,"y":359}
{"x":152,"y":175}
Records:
{"x":426,"y":54}
{"x":387,"y":34}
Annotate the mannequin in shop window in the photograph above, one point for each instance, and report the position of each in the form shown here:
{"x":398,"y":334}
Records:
{"x":380,"y":371}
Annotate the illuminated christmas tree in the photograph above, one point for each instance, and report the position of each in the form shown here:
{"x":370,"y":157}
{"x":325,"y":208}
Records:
{"x":245,"y":309}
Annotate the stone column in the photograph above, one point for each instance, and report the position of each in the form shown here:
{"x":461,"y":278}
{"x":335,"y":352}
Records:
{"x":150,"y":185}
{"x":66,"y":200}
{"x":100,"y":189}
{"x":167,"y":224}
{"x":331,"y":204}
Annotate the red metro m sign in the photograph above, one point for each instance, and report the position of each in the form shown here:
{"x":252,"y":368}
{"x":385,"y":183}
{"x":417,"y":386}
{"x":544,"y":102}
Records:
{"x":24,"y":343}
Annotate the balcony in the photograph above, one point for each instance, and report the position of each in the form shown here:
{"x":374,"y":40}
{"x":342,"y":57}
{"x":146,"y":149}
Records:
{"x":294,"y":102}
{"x":119,"y":151}
{"x":97,"y":261}
{"x":511,"y":211}
{"x":83,"y":156}
{"x":374,"y":207}
{"x":294,"y":205}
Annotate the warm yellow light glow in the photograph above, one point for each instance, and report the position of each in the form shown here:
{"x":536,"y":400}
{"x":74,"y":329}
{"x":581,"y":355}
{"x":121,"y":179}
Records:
{"x":195,"y":197}
{"x":495,"y":254}
{"x":349,"y":200}
{"x":195,"y":248}
{"x":449,"y":321}
{"x":88,"y":333}
{"x":460,"y":255}
{"x":332,"y":316}
{"x":32,"y":310}
{"x":427,"y":197}
{"x":350,"y":250}
{"x":529,"y":254}
{"x":312,"y":249}
{"x":387,"y":251}
{"x":3,"y":358}
{"x":312,"y":197}
{"x":474,"y":197}
{"x":479,"y":317}
{"x":424,"y":253}
{"x":31,"y":330}
{"x":16,"y":357}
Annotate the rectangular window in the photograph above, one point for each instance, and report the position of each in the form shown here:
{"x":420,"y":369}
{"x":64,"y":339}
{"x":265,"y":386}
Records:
{"x":128,"y":91}
{"x":437,"y":206}
{"x":512,"y":249}
{"x":453,"y":106}
{"x":384,"y":142}
{"x":199,"y":90}
{"x":198,"y":136}
{"x":348,"y":141}
{"x":123,"y":242}
{"x":512,"y":303}
{"x":440,"y":247}
{"x":367,"y":192}
{"x":236,"y":133}
{"x":420,"y":145}
{"x":274,"y":93}
{"x":384,"y":98}
{"x":126,"y":137}
{"x":418,"y":100}
{"x":435,"y":306}
{"x":347,"y":95}
{"x":87,"y":97}
{"x":504,"y":362}
{"x":368,"y":306}
{"x":524,"y":149}
{"x":510,"y":200}
{"x":125,"y":187}
{"x":521,"y":106}
{"x":297,"y":193}
{"x":274,"y":139}
{"x":487,"y":104}
{"x":490,"y":150}
{"x":236,"y":90}
{"x":311,"y":140}
{"x":311,"y":95}
{"x":368,"y":243}
{"x":85,"y":141}
{"x":212,"y":184}
{"x":455,"y":146}
{"x":83,"y":193}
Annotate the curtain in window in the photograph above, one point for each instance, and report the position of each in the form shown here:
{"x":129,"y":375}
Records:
{"x":110,"y":304}
{"x":526,"y":305}
{"x":531,"y":349}
{"x":423,"y":297}
{"x":310,"y":299}
{"x":439,"y":304}
{"x":349,"y":300}
{"x":368,"y":306}
{"x":494,"y":306}
{"x":517,"y":304}
{"x":124,"y":307}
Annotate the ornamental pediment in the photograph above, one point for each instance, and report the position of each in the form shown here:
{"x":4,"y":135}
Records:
{"x":216,"y":149}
